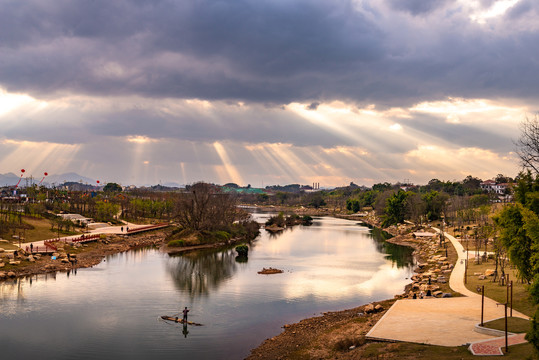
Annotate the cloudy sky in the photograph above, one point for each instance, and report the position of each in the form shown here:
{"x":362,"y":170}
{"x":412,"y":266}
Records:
{"x":266,"y":92}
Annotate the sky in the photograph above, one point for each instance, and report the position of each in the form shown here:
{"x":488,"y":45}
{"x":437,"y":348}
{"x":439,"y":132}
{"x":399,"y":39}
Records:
{"x":266,"y":92}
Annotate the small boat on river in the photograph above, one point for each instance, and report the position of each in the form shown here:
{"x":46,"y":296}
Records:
{"x":179,"y":320}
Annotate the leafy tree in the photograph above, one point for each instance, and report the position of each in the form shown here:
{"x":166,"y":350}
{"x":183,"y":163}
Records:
{"x":382,"y":186}
{"x":435,"y":204}
{"x":471,"y":184}
{"x":105,"y":210}
{"x":112,"y":187}
{"x":281,"y":196}
{"x":501,"y":179}
{"x":515,"y":238}
{"x":262,"y":197}
{"x":395,"y":209}
{"x":353,"y":205}
{"x":317,"y":200}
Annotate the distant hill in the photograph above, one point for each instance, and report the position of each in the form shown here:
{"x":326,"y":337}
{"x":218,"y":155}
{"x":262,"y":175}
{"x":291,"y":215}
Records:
{"x":8,"y":179}
{"x":68,"y":177}
{"x":11,"y":179}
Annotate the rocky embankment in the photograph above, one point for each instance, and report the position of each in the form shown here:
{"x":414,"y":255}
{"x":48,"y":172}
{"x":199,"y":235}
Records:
{"x":67,"y":257}
{"x":323,"y":336}
{"x":335,"y":334}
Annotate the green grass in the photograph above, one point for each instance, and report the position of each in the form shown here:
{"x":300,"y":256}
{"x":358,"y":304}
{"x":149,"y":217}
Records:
{"x":516,"y":352}
{"x":8,"y":246}
{"x":514,"y":325}
{"x":41,"y":230}
{"x":521,"y":298}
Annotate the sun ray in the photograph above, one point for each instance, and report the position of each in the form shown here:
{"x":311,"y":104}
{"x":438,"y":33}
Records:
{"x":229,"y":167}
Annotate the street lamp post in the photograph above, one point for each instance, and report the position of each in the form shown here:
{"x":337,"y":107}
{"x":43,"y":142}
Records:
{"x":506,"y":340}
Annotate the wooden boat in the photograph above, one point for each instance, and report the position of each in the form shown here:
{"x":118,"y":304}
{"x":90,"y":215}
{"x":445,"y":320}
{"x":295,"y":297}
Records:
{"x":178,"y":320}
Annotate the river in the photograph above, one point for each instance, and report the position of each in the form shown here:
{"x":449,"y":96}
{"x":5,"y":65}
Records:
{"x":112,"y":310}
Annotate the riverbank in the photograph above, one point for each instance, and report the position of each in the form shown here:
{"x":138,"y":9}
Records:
{"x":68,"y":258}
{"x":341,"y":334}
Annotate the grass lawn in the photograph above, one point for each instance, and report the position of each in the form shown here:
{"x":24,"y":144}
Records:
{"x":8,"y":246}
{"x":41,"y":230}
{"x":514,"y":325}
{"x":517,"y":352}
{"x":404,"y":350}
{"x":521,"y":298}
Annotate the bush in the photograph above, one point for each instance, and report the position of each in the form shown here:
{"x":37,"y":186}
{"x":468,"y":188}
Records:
{"x":344,"y":344}
{"x":221,"y":235}
{"x":176,"y":243}
{"x":242,"y":250}
{"x":278,"y":220}
{"x":307,"y":220}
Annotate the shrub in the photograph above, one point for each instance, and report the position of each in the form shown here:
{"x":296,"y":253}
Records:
{"x":344,"y":344}
{"x":242,"y":250}
{"x":176,"y":243}
{"x":221,"y":235}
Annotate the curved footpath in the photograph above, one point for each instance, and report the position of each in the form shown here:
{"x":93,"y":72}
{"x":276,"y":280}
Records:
{"x":39,"y":246}
{"x":440,"y":321}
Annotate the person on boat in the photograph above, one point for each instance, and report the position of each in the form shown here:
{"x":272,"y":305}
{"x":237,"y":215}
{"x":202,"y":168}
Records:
{"x":185,"y":311}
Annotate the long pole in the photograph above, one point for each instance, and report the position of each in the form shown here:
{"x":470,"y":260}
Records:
{"x":507,"y":290}
{"x":482,"y":302}
{"x":506,"y":343}
{"x":466,"y":271}
{"x":511,"y":298}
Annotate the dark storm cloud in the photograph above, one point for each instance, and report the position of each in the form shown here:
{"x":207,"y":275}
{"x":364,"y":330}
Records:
{"x":521,"y":8}
{"x":417,"y":7}
{"x":262,"y":51}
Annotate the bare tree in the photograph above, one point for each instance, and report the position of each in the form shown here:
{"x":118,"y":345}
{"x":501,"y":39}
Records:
{"x":528,"y":143}
{"x":204,"y":207}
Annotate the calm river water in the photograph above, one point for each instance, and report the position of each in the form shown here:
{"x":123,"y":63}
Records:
{"x":111,"y":311}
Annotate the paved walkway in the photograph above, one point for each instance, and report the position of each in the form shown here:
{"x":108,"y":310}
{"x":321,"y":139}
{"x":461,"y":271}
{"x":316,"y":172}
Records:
{"x":39,"y":246}
{"x":440,"y":321}
{"x":494,"y":346}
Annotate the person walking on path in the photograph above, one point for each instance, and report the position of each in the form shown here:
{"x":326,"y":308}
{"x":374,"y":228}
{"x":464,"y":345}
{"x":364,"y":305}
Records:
{"x":185,"y":311}
{"x":31,"y":248}
{"x":122,"y":229}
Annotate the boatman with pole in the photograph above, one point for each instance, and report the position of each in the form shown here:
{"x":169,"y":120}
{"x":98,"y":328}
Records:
{"x":185,"y":311}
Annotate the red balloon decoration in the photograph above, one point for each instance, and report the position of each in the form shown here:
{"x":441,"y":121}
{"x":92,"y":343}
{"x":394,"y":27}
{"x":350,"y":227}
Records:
{"x":44,"y":175}
{"x":22,"y":171}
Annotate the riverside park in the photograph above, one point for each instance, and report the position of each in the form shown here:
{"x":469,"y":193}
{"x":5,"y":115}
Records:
{"x":306,"y":274}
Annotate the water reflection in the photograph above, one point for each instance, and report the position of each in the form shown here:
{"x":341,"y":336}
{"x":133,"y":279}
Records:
{"x":197,"y":273}
{"x":110,"y":311}
{"x":398,"y":254}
